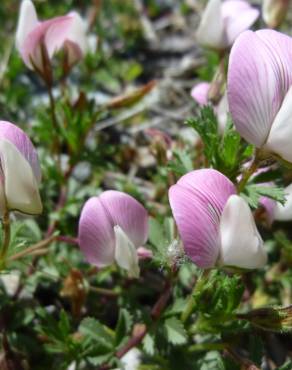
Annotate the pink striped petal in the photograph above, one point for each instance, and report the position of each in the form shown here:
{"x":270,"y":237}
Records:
{"x":258,"y":80}
{"x":98,"y":219}
{"x":200,"y":93}
{"x":128,"y":213}
{"x":17,"y":137}
{"x":96,"y":233}
{"x":238,"y":16}
{"x":197,"y":201}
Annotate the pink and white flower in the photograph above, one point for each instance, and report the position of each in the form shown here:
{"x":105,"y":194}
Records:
{"x":259,"y":90}
{"x":216,"y":225}
{"x":65,"y":32}
{"x":223,"y":21}
{"x":112,"y":227}
{"x":20,"y":171}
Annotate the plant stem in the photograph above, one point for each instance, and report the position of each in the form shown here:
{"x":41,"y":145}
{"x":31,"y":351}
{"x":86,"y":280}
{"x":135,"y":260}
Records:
{"x":141,"y":329}
{"x":191,"y":301}
{"x":32,"y":250}
{"x":248,"y":172}
{"x":7,"y":234}
{"x":207,"y":347}
{"x":103,"y":291}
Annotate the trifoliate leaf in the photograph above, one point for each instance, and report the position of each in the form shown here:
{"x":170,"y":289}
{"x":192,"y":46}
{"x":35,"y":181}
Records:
{"x":175,"y":331}
{"x":94,"y":330}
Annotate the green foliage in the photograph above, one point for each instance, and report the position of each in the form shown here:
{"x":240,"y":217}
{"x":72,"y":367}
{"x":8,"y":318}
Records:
{"x":223,"y":152}
{"x":175,"y":331}
{"x":253,"y":193}
{"x":216,"y":298}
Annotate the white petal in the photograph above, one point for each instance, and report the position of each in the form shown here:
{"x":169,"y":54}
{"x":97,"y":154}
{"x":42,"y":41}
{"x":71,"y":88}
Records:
{"x":211,"y":31}
{"x":26,"y":22}
{"x":284,"y":213}
{"x":20,"y":184}
{"x":125,"y":252}
{"x":279,"y":139}
{"x":241,"y":243}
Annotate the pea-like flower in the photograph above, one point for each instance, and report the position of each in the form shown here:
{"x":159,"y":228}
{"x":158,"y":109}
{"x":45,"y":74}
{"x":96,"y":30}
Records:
{"x":223,"y":21}
{"x":66,"y":32}
{"x":20,"y":171}
{"x":112,"y":227}
{"x":216,"y":225}
{"x":259,"y":90}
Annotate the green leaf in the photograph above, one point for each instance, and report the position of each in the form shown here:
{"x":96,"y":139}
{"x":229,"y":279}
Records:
{"x":253,"y":193}
{"x":175,"y":331}
{"x":94,"y":330}
{"x":149,"y":344}
{"x":124,"y":326}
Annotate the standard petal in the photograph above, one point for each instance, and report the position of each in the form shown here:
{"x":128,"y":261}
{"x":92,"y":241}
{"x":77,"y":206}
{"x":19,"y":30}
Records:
{"x":96,"y":234}
{"x":197,"y":201}
{"x":279,"y":139}
{"x":27,"y":21}
{"x":211,"y":31}
{"x":238,"y":16}
{"x":200,"y":93}
{"x":255,"y":87}
{"x":284,"y":213}
{"x":128,"y":213}
{"x":31,"y":48}
{"x":69,"y":32}
{"x":20,"y":184}
{"x":241,"y":243}
{"x":16,"y":136}
{"x":126,"y":254}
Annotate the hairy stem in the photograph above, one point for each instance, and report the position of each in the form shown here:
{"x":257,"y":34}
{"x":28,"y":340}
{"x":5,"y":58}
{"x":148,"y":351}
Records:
{"x":191,"y":301}
{"x":248,"y":173}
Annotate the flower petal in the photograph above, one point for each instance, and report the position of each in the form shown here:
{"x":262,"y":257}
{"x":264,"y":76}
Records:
{"x":197,"y":201}
{"x":269,"y":205}
{"x":125,"y":253}
{"x":211,"y":31}
{"x":22,"y":142}
{"x":284,"y":213}
{"x":256,"y":84}
{"x":279,"y":139}
{"x":128,"y":213}
{"x":27,"y":21}
{"x":95,"y":233}
{"x":241,"y":243}
{"x":20,"y":184}
{"x":200,"y":93}
{"x":238,"y":16}
{"x":68,"y":31}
